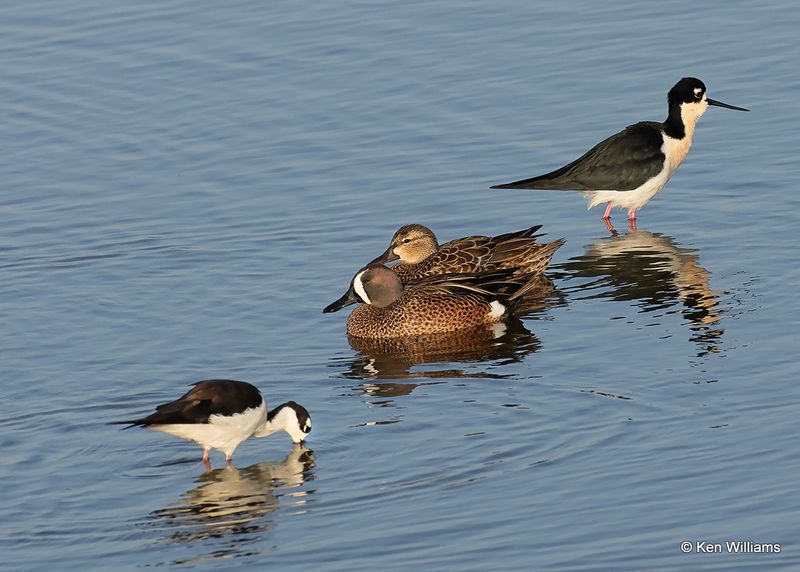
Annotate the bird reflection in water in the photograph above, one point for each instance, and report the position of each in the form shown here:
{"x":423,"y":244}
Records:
{"x":394,"y":359}
{"x":231,"y":504}
{"x":651,"y":269}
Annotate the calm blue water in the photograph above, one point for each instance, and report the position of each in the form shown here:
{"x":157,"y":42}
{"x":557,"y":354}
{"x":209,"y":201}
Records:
{"x":186,"y":185}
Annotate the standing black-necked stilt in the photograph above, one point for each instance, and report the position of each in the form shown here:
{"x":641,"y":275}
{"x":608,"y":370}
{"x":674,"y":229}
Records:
{"x":629,"y":168}
{"x":222,"y":414}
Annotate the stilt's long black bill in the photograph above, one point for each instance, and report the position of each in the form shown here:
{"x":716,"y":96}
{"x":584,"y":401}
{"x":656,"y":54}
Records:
{"x":725,"y":105}
{"x":349,"y":297}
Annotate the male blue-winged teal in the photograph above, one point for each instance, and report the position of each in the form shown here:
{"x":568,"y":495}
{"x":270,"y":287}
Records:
{"x":428,"y":305}
{"x":421,"y":255}
{"x":222,"y":414}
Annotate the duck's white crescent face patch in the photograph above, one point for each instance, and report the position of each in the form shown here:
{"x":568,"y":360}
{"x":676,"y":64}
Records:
{"x":359,"y":287}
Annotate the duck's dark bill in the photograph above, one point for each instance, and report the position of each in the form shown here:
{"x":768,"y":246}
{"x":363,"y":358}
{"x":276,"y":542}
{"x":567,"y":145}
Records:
{"x":348,"y":298}
{"x":387,"y":256}
{"x":725,"y":105}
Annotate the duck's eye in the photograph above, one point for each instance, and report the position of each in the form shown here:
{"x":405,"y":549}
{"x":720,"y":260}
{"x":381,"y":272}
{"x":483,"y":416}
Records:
{"x":406,"y":240}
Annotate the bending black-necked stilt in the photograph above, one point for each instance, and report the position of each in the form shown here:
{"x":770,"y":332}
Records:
{"x":222,"y":414}
{"x":629,"y":168}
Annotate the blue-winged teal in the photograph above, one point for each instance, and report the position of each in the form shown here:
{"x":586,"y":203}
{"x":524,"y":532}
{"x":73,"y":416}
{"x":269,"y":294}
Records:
{"x":222,"y":414}
{"x":421,"y":255}
{"x":429,"y":305}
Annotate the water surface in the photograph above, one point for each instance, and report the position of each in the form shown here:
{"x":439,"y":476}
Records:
{"x":185,"y":186}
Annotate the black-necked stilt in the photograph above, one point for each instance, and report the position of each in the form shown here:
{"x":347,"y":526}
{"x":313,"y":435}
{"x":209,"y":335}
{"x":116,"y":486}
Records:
{"x":629,"y":168}
{"x":222,"y":414}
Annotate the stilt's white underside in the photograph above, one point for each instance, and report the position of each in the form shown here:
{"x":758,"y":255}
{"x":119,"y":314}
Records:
{"x":224,"y":433}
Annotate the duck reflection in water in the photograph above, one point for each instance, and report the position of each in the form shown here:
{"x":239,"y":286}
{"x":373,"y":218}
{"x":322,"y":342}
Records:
{"x":651,"y":269}
{"x":394,"y":358}
{"x":232,"y":504}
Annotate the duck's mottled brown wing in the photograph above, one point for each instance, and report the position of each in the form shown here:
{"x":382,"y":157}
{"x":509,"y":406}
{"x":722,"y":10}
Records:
{"x":468,"y":254}
{"x":500,"y":283}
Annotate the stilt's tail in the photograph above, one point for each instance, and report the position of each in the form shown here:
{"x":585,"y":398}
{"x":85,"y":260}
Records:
{"x":524,"y":184}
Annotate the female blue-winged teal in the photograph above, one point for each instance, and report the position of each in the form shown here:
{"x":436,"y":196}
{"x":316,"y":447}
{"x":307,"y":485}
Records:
{"x":428,"y":305}
{"x":222,"y":414}
{"x":421,"y":255}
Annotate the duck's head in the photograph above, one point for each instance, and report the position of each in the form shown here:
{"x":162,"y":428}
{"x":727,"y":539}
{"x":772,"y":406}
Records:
{"x":375,"y":284}
{"x":412,"y":244}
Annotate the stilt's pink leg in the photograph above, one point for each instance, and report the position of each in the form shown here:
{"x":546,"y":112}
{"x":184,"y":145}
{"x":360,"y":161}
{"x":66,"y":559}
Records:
{"x":205,"y":455}
{"x":227,"y":460}
{"x":607,"y":214}
{"x":610,"y":226}
{"x":632,"y":219}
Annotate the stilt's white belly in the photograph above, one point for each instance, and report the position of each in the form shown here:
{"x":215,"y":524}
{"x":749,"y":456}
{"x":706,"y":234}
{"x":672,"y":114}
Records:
{"x":223,"y":433}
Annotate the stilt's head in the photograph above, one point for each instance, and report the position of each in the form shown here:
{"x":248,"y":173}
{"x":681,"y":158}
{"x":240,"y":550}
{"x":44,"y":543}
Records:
{"x":690,"y":98}
{"x":290,"y":417}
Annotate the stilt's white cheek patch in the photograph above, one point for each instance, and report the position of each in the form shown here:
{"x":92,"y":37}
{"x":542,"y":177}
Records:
{"x":359,"y":288}
{"x":691,"y":112}
{"x":497,"y":309}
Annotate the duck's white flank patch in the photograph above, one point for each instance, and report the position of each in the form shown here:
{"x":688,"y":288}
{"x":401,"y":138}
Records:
{"x":497,"y":309}
{"x":359,"y":288}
